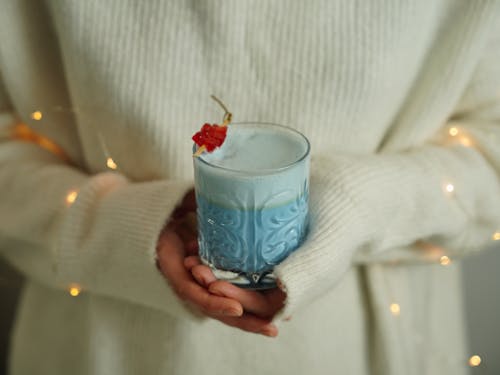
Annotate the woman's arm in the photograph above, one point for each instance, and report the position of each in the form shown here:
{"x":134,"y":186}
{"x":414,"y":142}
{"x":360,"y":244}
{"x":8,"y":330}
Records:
{"x":61,"y":226}
{"x":101,"y":233}
{"x":446,"y":192}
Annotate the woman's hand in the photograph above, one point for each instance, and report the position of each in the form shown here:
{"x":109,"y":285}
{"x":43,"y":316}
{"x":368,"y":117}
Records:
{"x":178,"y":241}
{"x":264,"y":304}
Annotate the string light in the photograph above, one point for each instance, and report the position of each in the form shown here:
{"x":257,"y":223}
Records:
{"x":434,"y":253}
{"x":459,"y":136}
{"x":465,"y":141}
{"x":449,"y":188}
{"x":74,"y":290}
{"x":71,"y":197}
{"x":474,"y":361}
{"x":444,"y":260}
{"x":395,"y":309}
{"x":37,"y":115}
{"x":496,"y":236}
{"x":453,"y":131}
{"x":25,"y":133}
{"x":111,"y":164}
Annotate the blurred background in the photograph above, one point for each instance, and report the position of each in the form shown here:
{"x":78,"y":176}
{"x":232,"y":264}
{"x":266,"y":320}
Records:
{"x":482,"y":299}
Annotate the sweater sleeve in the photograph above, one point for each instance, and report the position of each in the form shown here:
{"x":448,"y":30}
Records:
{"x":61,"y":226}
{"x":377,"y":207}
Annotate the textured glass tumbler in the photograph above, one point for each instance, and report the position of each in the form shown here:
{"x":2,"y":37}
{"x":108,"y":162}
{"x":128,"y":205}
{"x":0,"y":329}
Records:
{"x":251,"y":217}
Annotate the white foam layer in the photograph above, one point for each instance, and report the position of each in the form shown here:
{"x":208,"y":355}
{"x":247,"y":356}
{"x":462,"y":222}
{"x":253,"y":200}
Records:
{"x":258,"y":148}
{"x":250,"y":169}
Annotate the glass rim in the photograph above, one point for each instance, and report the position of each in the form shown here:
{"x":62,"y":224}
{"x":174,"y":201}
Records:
{"x":262,"y":171}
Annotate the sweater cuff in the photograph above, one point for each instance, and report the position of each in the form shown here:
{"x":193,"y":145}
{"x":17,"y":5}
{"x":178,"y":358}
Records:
{"x":108,"y":240}
{"x":369,"y":204}
{"x":327,"y":252}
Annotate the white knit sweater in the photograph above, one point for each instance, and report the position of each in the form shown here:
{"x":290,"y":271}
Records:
{"x":374,"y":85}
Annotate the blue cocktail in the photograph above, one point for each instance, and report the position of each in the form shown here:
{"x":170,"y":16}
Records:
{"x":252,"y":197}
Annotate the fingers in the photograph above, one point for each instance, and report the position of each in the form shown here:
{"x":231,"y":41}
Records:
{"x":183,"y":218}
{"x":250,"y":323}
{"x":246,"y":322}
{"x":263,"y":304}
{"x":188,"y":290}
{"x":252,"y":301}
{"x":191,"y":261}
{"x":203,"y":275}
{"x":191,"y":247}
{"x":171,"y":263}
{"x":176,"y":268}
{"x":186,"y":228}
{"x":210,"y":304}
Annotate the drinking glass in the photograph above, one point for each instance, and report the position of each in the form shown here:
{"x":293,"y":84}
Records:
{"x":252,"y":202}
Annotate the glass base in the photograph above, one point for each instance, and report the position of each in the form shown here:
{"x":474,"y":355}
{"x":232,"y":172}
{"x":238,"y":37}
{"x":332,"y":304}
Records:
{"x":252,"y":281}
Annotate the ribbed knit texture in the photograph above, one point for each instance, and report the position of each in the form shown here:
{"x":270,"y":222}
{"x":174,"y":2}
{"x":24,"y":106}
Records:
{"x":373,"y":85}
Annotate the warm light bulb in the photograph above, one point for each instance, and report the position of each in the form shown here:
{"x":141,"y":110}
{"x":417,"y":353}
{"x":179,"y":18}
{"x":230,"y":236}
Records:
{"x":37,"y":115}
{"x":395,"y":309}
{"x":453,"y":131}
{"x":474,"y":361}
{"x":444,"y":260}
{"x":111,"y":164}
{"x":71,"y":197}
{"x":74,"y":290}
{"x":449,"y":188}
{"x":496,"y":236}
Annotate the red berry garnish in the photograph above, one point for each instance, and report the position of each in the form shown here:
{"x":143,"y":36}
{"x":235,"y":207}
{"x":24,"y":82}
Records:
{"x":210,"y":136}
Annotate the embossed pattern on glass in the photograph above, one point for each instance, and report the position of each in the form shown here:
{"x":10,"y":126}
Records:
{"x":251,"y":241}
